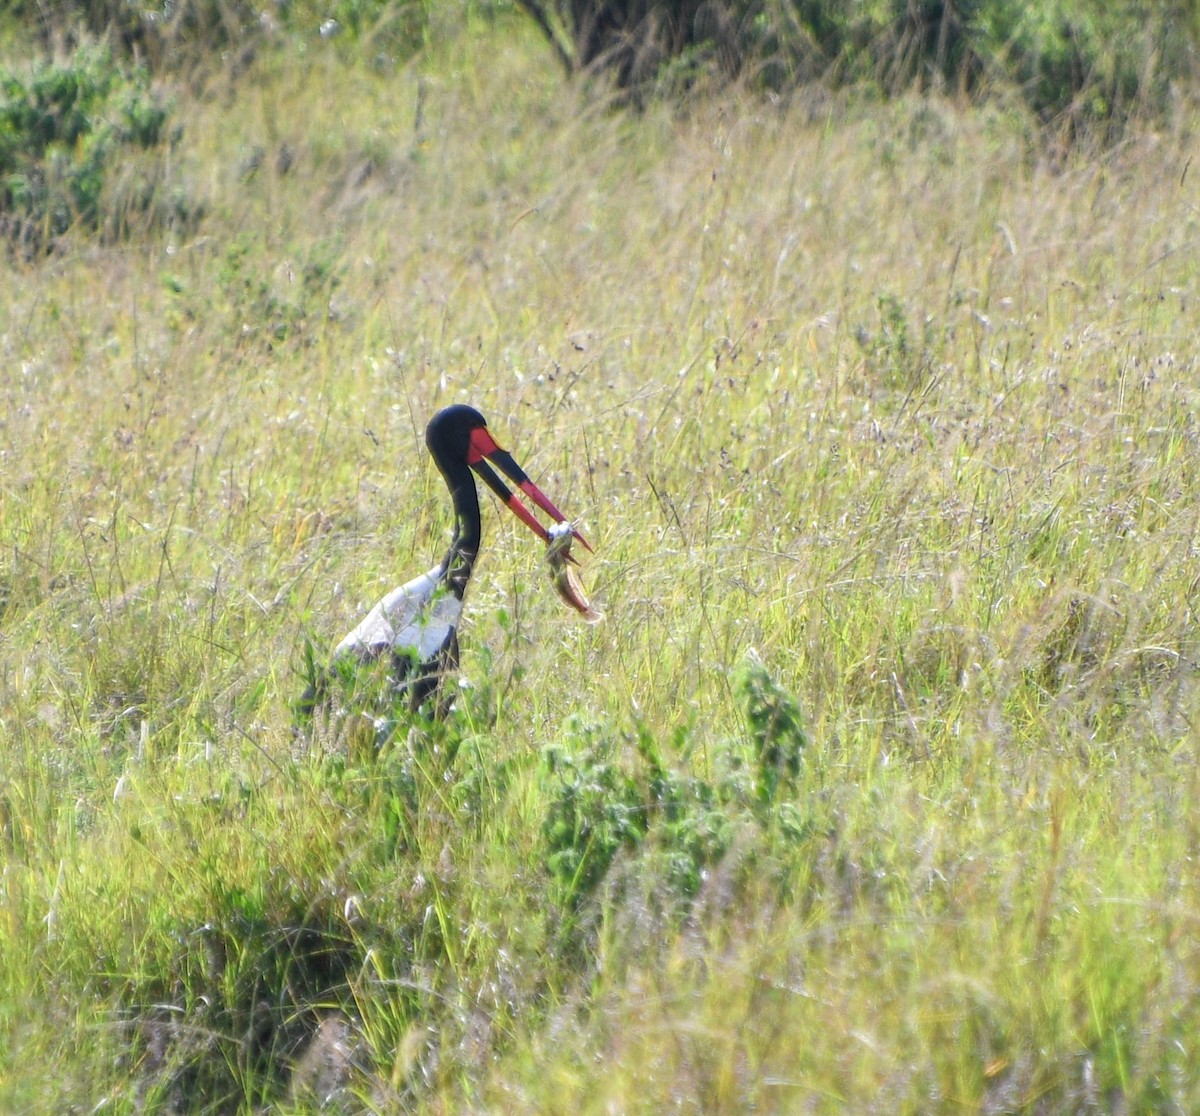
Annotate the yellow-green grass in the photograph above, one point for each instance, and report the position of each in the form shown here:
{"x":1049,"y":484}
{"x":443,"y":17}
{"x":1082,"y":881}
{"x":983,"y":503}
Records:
{"x":890,"y":393}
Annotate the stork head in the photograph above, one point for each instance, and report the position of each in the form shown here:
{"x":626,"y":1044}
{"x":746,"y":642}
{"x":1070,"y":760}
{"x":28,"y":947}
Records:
{"x":459,"y":434}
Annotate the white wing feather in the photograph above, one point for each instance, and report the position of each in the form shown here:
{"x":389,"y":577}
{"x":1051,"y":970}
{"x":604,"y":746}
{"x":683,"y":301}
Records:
{"x":412,"y":616}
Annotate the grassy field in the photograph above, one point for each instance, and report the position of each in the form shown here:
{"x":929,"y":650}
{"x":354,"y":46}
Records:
{"x":881,"y":417}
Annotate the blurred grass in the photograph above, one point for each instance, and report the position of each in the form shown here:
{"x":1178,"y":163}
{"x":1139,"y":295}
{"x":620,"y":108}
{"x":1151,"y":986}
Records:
{"x":888,"y":393}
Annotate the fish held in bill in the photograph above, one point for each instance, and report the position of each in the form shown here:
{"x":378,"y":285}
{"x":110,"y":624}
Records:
{"x":566,"y":580}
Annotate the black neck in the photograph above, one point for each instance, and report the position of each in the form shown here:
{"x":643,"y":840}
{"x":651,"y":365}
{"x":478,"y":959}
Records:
{"x":460,"y":560}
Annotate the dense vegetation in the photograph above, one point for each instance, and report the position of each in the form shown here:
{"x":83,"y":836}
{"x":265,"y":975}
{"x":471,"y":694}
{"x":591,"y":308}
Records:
{"x":1087,"y":61}
{"x":1082,"y":61}
{"x":874,"y":789}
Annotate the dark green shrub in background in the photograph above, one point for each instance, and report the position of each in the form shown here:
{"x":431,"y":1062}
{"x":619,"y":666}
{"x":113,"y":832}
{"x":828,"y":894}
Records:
{"x":1089,"y":62}
{"x":69,"y":133}
{"x":1083,"y":60}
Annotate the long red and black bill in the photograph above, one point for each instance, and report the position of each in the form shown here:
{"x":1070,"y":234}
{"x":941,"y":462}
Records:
{"x":483,"y":445}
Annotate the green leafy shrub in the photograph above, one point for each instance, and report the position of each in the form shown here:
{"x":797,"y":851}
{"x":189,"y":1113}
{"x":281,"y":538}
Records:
{"x":776,"y":733}
{"x":595,"y":810}
{"x":1086,"y":62}
{"x":610,"y":792}
{"x":689,"y":827}
{"x":270,"y":309}
{"x":67,"y":130}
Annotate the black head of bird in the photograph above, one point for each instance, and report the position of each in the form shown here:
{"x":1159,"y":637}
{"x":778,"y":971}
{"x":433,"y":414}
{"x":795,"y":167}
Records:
{"x":415,"y":626}
{"x":459,"y":441}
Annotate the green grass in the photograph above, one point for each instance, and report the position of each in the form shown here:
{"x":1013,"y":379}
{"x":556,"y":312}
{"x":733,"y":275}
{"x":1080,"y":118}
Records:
{"x":890,"y":394}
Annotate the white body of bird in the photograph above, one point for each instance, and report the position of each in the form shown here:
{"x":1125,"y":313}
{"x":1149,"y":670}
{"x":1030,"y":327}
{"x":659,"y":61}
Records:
{"x":418,"y":617}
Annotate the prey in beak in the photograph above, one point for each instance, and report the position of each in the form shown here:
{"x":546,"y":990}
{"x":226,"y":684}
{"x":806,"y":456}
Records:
{"x":566,"y":581}
{"x":558,"y":539}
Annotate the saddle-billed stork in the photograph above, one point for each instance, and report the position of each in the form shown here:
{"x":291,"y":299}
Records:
{"x":416,"y":624}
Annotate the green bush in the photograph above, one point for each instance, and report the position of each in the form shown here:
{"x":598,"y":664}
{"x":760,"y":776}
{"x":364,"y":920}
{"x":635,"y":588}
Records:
{"x":595,"y":810}
{"x":1088,"y":62}
{"x":612,"y":792}
{"x":66,"y":128}
{"x":776,"y":733}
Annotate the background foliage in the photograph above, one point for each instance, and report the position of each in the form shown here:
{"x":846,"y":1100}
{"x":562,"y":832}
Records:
{"x":1083,"y":69}
{"x":1089,"y":62}
{"x":72,"y":134}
